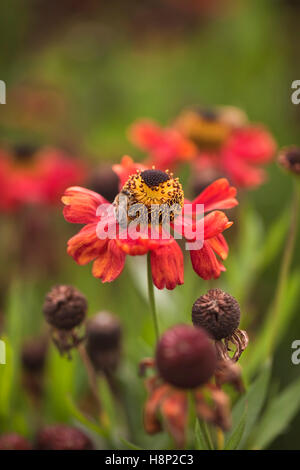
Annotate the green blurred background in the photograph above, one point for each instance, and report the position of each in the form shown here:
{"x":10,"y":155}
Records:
{"x":101,"y":67}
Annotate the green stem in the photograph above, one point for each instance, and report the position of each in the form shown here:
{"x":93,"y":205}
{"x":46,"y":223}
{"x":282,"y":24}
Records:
{"x":151,"y":297}
{"x":286,"y":263}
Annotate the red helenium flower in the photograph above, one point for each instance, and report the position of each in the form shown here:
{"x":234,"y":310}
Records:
{"x":38,"y":179}
{"x":109,"y":253}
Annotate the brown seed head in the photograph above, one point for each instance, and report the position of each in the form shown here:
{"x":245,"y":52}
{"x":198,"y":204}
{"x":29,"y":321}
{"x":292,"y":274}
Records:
{"x":64,"y":307}
{"x":289,"y":158}
{"x":185,"y":356}
{"x":217,"y":312}
{"x":61,"y":437}
{"x":34,"y":353}
{"x":104,"y":341}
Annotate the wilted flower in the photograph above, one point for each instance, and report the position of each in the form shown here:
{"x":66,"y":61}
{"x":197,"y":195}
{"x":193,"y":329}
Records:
{"x":149,"y":188}
{"x":185,"y":362}
{"x":62,"y":437}
{"x":13,"y":441}
{"x":219,"y":314}
{"x":65,"y":309}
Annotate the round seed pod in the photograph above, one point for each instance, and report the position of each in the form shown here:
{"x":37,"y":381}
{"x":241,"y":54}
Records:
{"x":217,"y":312}
{"x":14,"y":441}
{"x":61,"y":437}
{"x":289,"y":158}
{"x":103,"y":344}
{"x":64,"y":307}
{"x":104,"y":180}
{"x":185,"y":356}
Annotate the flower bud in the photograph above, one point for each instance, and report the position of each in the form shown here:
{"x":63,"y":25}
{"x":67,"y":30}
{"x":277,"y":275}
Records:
{"x":104,"y":180}
{"x":185,"y":356}
{"x":33,"y":356}
{"x":217,"y":312}
{"x":14,"y":441}
{"x":104,"y":341}
{"x":289,"y":158}
{"x":64,"y":307}
{"x":61,"y":437}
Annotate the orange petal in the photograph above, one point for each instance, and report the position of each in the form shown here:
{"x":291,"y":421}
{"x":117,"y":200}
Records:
{"x":152,"y":423}
{"x":110,"y":263}
{"x":167,"y":266}
{"x":219,"y":245}
{"x":205,"y":263}
{"x":215,"y":223}
{"x":174,"y":409}
{"x":81,"y":205}
{"x":218,"y":195}
{"x":85,"y":246}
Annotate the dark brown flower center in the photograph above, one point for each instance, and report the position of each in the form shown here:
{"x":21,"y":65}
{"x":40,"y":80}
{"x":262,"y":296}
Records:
{"x":154,"y":178}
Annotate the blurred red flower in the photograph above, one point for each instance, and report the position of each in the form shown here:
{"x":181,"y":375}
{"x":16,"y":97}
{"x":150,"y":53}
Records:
{"x":36,"y":177}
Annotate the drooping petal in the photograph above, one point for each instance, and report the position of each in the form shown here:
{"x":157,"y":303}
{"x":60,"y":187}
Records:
{"x":110,"y":263}
{"x":215,"y":223}
{"x":218,"y":195}
{"x":167,"y":266}
{"x":205,"y":263}
{"x":81,"y":205}
{"x":152,"y":422}
{"x":85,"y":246}
{"x":219,"y":245}
{"x":174,"y":409}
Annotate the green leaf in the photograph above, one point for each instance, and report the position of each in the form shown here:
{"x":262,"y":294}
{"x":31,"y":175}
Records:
{"x":273,"y":241}
{"x":259,"y":348}
{"x":201,"y":439}
{"x":253,"y":400}
{"x":236,"y":436}
{"x":278,"y":415}
{"x":77,"y":414}
{"x":129,"y":445}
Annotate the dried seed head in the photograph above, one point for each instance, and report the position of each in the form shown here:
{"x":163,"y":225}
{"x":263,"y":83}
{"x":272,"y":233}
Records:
{"x":185,"y":356}
{"x":64,"y":307}
{"x":104,"y":341}
{"x":289,"y":158}
{"x":217,"y":312}
{"x":14,"y":441}
{"x":104,"y":180}
{"x":61,"y":437}
{"x":34,"y":354}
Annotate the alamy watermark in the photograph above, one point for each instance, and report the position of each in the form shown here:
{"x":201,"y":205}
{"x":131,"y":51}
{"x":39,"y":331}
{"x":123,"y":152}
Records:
{"x":2,"y":92}
{"x":295,"y":96}
{"x":134,"y":221}
{"x":2,"y":352}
